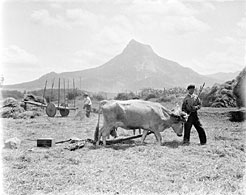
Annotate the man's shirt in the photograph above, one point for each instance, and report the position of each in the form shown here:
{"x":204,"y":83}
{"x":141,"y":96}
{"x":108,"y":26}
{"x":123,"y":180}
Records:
{"x":87,"y":101}
{"x":189,"y":103}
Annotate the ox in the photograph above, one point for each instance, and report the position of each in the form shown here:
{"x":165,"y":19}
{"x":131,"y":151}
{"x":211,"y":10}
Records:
{"x":135,"y":114}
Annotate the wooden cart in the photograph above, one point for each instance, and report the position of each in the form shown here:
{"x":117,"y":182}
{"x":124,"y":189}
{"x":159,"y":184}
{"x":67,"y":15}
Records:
{"x":51,"y":108}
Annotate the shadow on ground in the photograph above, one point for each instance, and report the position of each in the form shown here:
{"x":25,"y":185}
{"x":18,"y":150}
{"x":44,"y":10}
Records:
{"x":172,"y":144}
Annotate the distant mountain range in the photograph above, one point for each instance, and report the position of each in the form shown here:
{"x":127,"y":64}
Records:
{"x":137,"y":67}
{"x":224,"y":76}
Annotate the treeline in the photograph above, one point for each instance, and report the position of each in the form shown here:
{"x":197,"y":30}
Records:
{"x":52,"y":95}
{"x":160,"y":95}
{"x":12,"y":93}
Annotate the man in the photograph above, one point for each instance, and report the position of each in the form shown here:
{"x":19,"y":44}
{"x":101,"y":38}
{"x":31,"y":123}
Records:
{"x":87,"y":105}
{"x":190,"y":105}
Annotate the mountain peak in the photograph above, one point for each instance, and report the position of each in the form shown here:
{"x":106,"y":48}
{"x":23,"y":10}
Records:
{"x":134,"y":47}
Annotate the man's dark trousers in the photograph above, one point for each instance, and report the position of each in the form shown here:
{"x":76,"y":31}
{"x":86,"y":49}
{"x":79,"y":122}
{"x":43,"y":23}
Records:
{"x":194,"y":120}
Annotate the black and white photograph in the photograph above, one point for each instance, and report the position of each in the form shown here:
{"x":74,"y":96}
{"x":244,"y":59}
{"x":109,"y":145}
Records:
{"x":123,"y":97}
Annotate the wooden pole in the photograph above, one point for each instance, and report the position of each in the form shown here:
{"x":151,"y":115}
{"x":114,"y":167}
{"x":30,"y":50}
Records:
{"x":64,"y":92}
{"x":58,"y":92}
{"x":80,"y":83}
{"x":51,"y":95}
{"x":74,"y":92}
{"x":114,"y":141}
{"x":44,"y":89}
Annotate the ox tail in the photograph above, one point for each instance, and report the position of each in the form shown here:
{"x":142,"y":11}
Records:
{"x":96,"y":134}
{"x":97,"y":127}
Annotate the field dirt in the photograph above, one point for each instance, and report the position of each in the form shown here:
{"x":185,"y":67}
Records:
{"x":124,"y":168}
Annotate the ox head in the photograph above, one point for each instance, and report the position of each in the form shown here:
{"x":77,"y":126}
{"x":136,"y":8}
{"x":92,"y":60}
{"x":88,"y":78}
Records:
{"x":177,"y":119}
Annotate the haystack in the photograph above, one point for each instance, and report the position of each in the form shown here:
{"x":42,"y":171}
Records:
{"x":12,"y":109}
{"x":31,"y":97}
{"x":10,"y":102}
{"x":240,"y":89}
{"x":221,"y":95}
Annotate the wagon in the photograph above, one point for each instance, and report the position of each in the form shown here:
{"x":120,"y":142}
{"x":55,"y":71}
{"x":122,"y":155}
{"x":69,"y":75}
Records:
{"x":50,"y":107}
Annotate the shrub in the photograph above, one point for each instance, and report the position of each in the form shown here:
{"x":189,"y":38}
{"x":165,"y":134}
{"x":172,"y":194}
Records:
{"x":72,"y":95}
{"x":98,"y":97}
{"x":167,"y":98}
{"x":150,"y":96}
{"x":125,"y":96}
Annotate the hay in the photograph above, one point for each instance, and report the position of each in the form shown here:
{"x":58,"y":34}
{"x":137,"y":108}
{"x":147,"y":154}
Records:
{"x":31,"y":97}
{"x":27,"y":115}
{"x":12,"y":109}
{"x":240,"y":89}
{"x":220,"y":95}
{"x":228,"y":94}
{"x":10,"y":102}
{"x":80,"y":114}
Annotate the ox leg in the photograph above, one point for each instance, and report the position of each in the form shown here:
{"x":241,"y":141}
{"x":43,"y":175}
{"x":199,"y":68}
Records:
{"x":139,"y":131}
{"x":100,"y":135}
{"x":144,"y":136}
{"x":134,"y":131}
{"x":158,"y":137}
{"x":105,"y":134}
{"x":104,"y":140}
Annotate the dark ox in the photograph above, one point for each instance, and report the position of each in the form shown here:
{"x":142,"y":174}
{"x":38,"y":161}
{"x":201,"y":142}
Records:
{"x":136,"y":114}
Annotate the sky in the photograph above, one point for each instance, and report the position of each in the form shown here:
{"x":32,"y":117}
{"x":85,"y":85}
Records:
{"x":41,"y":36}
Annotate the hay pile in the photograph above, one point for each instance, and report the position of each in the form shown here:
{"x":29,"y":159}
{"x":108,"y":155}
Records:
{"x":228,"y":94}
{"x":240,"y":89}
{"x":12,"y":109}
{"x":221,"y":95}
{"x":31,"y":97}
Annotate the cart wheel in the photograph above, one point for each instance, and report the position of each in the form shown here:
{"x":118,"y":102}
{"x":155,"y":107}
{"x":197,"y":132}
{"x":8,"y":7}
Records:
{"x":64,"y":112}
{"x":51,"y":110}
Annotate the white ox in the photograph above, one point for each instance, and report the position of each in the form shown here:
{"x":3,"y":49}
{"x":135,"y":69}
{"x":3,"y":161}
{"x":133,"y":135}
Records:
{"x":135,"y":114}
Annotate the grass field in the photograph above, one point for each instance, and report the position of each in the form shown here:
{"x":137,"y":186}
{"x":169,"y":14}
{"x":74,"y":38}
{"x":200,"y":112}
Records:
{"x":129,"y":168}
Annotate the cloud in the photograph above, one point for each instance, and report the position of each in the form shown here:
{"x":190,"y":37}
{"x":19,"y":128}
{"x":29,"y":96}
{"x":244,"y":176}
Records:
{"x":83,"y":17}
{"x":173,"y":16}
{"x":241,"y":27}
{"x":183,"y":25}
{"x":227,"y":40}
{"x":219,"y":61}
{"x":44,"y":17}
{"x":170,"y":7}
{"x":20,"y":65}
{"x":56,"y":5}
{"x":16,"y":55}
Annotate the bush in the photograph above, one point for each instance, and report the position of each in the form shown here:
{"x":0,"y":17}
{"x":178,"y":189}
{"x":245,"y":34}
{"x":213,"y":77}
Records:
{"x":150,"y":96}
{"x":125,"y":96}
{"x":167,"y":98}
{"x":72,"y":95}
{"x":98,"y":97}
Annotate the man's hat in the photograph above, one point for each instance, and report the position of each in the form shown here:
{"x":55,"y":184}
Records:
{"x":85,"y":94}
{"x":191,"y":87}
